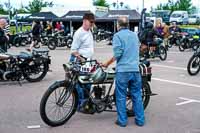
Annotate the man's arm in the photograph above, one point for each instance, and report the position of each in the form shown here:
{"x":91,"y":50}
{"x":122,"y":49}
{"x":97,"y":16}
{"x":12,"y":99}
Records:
{"x":117,"y":50}
{"x":75,"y":46}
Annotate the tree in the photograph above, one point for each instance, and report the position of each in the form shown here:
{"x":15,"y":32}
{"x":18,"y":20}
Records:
{"x":36,"y":5}
{"x":100,"y":3}
{"x":184,"y":5}
{"x":2,"y":10}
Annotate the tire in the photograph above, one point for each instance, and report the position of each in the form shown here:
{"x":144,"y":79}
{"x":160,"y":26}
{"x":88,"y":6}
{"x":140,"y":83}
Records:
{"x":193,"y":62}
{"x":195,"y":46}
{"x":69,"y":42}
{"x":169,"y":45}
{"x":146,"y":92}
{"x":52,"y":44}
{"x":43,"y":104}
{"x":17,"y":42}
{"x":36,"y":45}
{"x":181,"y":47}
{"x":163,"y":53}
{"x":32,"y":67}
{"x":23,"y":42}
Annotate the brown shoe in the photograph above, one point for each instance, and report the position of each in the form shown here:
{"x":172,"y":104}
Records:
{"x":28,"y":49}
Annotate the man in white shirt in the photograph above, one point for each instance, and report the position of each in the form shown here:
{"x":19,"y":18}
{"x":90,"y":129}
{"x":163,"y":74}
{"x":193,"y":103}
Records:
{"x":83,"y":48}
{"x":83,"y":43}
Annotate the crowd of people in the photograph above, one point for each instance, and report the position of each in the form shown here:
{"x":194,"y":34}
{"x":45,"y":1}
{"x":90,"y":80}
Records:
{"x":161,"y":30}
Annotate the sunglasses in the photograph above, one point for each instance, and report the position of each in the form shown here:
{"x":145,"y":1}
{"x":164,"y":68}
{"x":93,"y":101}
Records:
{"x":92,"y":21}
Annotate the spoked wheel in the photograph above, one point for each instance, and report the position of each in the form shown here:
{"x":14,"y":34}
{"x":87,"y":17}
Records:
{"x":163,"y":53}
{"x":181,"y":47}
{"x":52,"y":45}
{"x":36,"y":44}
{"x":23,"y":42}
{"x":193,"y":66}
{"x":146,"y":92}
{"x":69,"y":42}
{"x":195,"y":46}
{"x":37,"y":71}
{"x":58,"y":104}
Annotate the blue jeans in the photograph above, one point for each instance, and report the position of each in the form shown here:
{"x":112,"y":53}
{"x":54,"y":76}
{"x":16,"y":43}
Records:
{"x":79,"y":88}
{"x":131,"y":80}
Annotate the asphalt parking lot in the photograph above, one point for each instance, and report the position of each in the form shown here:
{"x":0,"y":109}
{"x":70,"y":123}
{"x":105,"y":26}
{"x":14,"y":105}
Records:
{"x":174,"y":110}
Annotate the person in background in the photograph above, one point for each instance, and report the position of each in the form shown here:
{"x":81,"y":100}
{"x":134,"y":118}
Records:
{"x":165,"y":33}
{"x":126,"y":54}
{"x":174,"y":28}
{"x":57,"y":26}
{"x":49,"y":28}
{"x":159,"y":28}
{"x":3,"y":37}
{"x":7,"y":33}
{"x":62,"y":28}
{"x":36,"y":31}
{"x":42,"y":26}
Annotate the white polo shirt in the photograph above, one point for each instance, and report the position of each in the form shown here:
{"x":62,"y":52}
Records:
{"x":83,"y":43}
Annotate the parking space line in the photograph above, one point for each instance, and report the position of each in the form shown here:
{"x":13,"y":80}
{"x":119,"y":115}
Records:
{"x":170,"y":67}
{"x":187,"y":100}
{"x":176,"y":82}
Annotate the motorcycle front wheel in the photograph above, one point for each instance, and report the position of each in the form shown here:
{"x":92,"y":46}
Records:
{"x":52,"y":44}
{"x":58,"y":104}
{"x":163,"y":53}
{"x":193,"y":66}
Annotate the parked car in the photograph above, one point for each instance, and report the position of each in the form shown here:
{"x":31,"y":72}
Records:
{"x":164,"y":14}
{"x":193,"y":19}
{"x":180,"y":17}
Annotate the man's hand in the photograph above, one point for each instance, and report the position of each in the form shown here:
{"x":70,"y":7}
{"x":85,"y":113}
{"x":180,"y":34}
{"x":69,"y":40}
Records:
{"x":104,"y":65}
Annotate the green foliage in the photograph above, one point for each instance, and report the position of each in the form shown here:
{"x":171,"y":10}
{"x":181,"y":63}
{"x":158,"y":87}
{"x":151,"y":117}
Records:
{"x":184,"y":5}
{"x":2,"y":10}
{"x":100,"y":3}
{"x":24,"y":28}
{"x":36,"y":5}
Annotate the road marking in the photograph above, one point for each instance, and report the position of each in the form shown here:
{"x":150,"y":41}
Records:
{"x":176,"y":82}
{"x":33,"y":126}
{"x":170,"y":61}
{"x":187,"y":100}
{"x":170,"y":67}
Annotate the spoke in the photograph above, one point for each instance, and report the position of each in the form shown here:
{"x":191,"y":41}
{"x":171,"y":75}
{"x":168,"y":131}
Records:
{"x":56,"y":96}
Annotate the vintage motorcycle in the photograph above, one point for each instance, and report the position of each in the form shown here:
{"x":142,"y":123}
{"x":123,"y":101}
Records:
{"x":188,"y":42}
{"x":30,"y":66}
{"x":59,"y":40}
{"x":159,"y":52}
{"x":60,"y":102}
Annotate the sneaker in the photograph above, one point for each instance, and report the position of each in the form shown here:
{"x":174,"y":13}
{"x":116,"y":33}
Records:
{"x":119,"y":124}
{"x":139,"y":124}
{"x":28,"y":49}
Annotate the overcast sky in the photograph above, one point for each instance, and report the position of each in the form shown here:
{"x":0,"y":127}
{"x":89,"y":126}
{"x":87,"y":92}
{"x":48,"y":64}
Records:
{"x":134,"y":4}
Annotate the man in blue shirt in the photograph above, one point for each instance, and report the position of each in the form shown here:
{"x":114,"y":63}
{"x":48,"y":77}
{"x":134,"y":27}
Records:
{"x":126,"y":53}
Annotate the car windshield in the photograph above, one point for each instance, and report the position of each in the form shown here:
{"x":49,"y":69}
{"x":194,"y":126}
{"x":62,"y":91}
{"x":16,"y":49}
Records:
{"x":193,"y":16}
{"x":176,"y":15}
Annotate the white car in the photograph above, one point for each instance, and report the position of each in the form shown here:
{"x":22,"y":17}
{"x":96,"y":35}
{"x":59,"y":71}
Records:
{"x":193,"y":19}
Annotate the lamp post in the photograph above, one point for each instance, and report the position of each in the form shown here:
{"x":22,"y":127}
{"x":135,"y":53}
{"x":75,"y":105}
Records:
{"x":116,"y":4}
{"x":142,"y":4}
